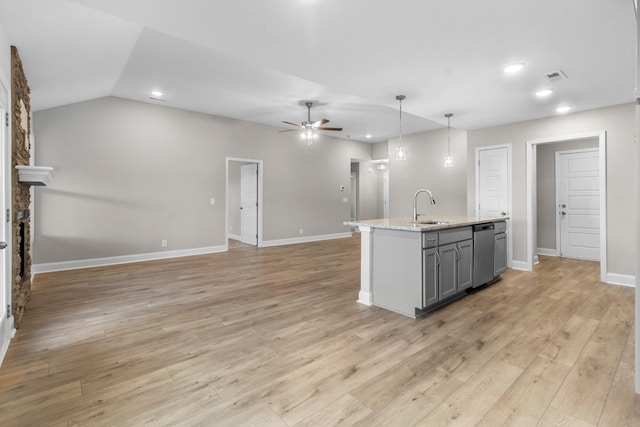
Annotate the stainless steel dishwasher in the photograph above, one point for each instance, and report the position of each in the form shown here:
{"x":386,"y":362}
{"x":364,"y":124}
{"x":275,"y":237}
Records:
{"x":483,"y":254}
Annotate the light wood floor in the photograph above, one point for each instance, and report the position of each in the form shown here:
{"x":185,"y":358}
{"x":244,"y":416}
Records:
{"x":274,"y":336}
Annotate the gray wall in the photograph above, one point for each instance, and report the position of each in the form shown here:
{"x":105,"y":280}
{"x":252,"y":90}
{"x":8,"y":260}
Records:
{"x":547,"y":214}
{"x":381,"y":150}
{"x":618,"y":122}
{"x":129,"y":174}
{"x":424,"y":168}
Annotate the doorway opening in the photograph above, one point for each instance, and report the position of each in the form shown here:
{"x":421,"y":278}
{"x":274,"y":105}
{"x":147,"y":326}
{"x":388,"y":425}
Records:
{"x":243,"y":194}
{"x":355,"y":192}
{"x":567,"y":199}
{"x":544,"y":227}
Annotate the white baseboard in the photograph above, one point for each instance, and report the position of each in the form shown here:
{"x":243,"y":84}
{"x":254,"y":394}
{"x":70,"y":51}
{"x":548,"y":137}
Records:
{"x":365,"y":298}
{"x":125,"y":259}
{"x":546,"y":252}
{"x":8,"y":332}
{"x":621,"y":279}
{"x":305,"y":239}
{"x":519,"y":265}
{"x":235,"y":237}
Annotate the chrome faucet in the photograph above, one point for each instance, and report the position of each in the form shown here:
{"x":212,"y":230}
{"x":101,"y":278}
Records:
{"x":415,"y":202}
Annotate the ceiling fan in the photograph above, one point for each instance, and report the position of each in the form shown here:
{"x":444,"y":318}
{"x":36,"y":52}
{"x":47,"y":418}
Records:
{"x":308,"y":127}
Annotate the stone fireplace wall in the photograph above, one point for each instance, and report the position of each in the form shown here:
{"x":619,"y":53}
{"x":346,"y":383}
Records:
{"x":20,"y":196}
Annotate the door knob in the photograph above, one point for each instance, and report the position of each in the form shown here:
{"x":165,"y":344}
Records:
{"x":563,"y":213}
{"x":3,"y":245}
{"x":503,"y":213}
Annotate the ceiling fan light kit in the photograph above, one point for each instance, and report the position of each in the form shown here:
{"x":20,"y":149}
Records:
{"x":309,"y":128}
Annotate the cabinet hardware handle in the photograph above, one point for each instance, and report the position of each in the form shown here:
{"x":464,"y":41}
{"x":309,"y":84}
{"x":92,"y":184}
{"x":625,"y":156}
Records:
{"x":437,"y":258}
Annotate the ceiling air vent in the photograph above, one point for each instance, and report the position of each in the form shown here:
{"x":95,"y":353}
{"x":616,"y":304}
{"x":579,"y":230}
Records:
{"x":555,"y":76}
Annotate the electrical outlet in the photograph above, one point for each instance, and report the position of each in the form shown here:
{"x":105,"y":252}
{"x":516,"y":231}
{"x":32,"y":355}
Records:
{"x":163,"y":243}
{"x":301,"y":231}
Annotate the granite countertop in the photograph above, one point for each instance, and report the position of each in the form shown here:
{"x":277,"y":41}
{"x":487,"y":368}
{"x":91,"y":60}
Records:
{"x":407,"y":224}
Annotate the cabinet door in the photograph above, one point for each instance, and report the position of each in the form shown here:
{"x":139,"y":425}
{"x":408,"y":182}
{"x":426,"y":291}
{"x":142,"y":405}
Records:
{"x":447,"y":281}
{"x":464,"y":267}
{"x":500,"y":254}
{"x":429,"y":277}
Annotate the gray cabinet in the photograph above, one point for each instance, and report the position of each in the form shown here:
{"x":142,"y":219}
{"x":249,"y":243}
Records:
{"x":456,"y":268}
{"x":464,"y":265}
{"x":447,"y":280}
{"x":447,"y":267}
{"x":429,"y":277}
{"x":500,"y":254}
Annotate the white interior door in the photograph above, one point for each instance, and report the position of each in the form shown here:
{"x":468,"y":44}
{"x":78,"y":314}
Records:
{"x":249,"y":204}
{"x":6,"y":326}
{"x":578,"y":198}
{"x":493,"y":182}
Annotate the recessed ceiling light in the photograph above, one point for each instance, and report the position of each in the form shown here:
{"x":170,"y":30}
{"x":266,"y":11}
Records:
{"x":368,"y":136}
{"x":156,"y":93}
{"x":544,"y":93}
{"x":514,"y":68}
{"x":563,"y":109}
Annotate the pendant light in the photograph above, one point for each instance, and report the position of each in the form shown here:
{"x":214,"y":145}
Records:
{"x":448,"y":159}
{"x":401,"y":151}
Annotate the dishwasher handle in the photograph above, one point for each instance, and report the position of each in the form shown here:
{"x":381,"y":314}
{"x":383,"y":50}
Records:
{"x":483,"y":227}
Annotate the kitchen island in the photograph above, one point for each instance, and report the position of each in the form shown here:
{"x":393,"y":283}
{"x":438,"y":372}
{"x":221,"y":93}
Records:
{"x":412,"y":267}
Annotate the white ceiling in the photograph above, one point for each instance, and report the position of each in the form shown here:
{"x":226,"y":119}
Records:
{"x":256,"y":60}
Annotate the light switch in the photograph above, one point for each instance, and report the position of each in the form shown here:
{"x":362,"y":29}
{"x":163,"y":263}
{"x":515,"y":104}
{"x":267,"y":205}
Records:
{"x":345,"y":199}
{"x":212,"y":201}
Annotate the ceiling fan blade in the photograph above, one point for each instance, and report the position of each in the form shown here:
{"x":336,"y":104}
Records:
{"x":292,"y":124}
{"x":320,"y":123}
{"x":338,"y":129}
{"x":290,"y":130}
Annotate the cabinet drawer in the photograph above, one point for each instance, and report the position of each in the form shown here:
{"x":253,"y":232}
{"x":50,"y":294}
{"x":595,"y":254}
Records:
{"x":455,"y":235}
{"x":500,"y":227}
{"x":429,"y":240}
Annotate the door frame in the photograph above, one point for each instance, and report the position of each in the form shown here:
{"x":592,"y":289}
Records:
{"x":531,"y":190}
{"x":7,"y":330}
{"x":260,"y":196}
{"x":557,"y":155}
{"x":509,"y":192}
{"x":254,"y":167}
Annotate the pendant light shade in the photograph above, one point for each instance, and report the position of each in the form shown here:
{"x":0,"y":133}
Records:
{"x":401,"y":150}
{"x":448,"y":159}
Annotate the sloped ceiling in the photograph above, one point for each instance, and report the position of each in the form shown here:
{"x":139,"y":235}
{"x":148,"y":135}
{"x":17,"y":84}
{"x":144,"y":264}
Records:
{"x":256,"y":60}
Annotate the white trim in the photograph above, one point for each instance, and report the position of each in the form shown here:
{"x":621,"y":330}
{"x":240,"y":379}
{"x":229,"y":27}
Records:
{"x":520,"y":265}
{"x":260,"y":198}
{"x":531,"y":186}
{"x":8,"y":332}
{"x":365,"y":296}
{"x":547,"y":252}
{"x":234,"y":237}
{"x":536,"y":260}
{"x":509,"y":192}
{"x":305,"y":239}
{"x":125,"y":259}
{"x":621,"y":279}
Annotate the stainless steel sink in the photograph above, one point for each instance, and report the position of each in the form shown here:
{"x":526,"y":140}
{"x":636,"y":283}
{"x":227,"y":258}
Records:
{"x":432,"y":221}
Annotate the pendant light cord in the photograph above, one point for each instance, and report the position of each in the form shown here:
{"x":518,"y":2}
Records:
{"x":449,"y":135}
